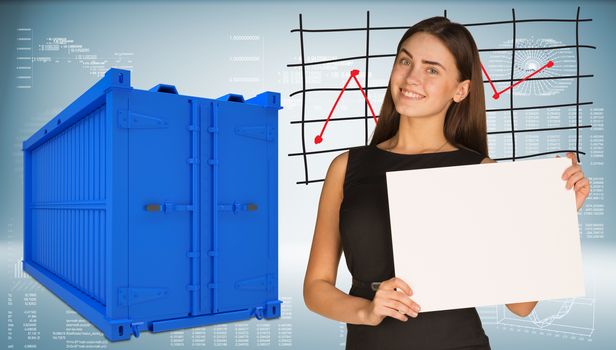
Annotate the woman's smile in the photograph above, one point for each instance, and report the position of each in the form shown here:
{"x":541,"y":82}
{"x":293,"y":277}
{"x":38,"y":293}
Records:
{"x":412,"y":95}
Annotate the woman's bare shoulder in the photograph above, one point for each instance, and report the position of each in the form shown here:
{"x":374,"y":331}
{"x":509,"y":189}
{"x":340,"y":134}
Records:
{"x":332,"y":191}
{"x":337,"y":168}
{"x":487,"y":160}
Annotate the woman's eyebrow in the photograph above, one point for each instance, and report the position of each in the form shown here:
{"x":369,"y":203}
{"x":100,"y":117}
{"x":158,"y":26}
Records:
{"x":424,"y":61}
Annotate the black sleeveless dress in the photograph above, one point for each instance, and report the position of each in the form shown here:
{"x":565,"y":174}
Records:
{"x":366,"y":241}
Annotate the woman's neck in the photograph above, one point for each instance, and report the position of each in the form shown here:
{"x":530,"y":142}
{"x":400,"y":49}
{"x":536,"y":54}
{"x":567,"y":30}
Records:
{"x":419,"y":135}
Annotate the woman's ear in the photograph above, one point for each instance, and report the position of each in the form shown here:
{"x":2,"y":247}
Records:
{"x":462,"y":91}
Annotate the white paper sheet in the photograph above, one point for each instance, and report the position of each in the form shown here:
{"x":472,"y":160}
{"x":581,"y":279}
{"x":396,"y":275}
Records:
{"x":486,"y":234}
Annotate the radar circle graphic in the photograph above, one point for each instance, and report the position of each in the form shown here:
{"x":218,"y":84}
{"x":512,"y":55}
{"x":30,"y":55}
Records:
{"x":528,"y":61}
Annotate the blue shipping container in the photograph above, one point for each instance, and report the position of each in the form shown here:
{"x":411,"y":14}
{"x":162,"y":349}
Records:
{"x":149,"y":210}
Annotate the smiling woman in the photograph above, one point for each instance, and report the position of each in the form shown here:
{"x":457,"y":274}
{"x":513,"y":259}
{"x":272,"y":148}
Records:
{"x":433,"y":115}
{"x":437,"y":73}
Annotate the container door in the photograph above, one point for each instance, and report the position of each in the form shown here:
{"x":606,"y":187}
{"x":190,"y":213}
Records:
{"x":159,"y":198}
{"x":247,"y":195}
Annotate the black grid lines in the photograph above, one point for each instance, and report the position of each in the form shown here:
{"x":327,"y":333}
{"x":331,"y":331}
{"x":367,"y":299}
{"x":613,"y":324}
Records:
{"x":514,"y":22}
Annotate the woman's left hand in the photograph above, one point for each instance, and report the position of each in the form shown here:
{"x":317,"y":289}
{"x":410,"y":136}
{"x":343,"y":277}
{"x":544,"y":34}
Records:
{"x":576,"y":180}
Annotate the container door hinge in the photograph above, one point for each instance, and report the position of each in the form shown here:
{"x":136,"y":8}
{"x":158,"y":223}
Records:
{"x":263,"y":133}
{"x":236,"y":207}
{"x":132,"y":120}
{"x":131,"y":296}
{"x":168,"y":207}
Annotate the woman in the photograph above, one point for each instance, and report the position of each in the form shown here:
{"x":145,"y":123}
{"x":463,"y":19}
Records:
{"x":433,"y":115}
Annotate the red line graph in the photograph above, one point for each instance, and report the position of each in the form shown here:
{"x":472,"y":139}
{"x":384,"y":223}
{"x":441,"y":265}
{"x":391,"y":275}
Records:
{"x":497,"y":94}
{"x":319,"y":138}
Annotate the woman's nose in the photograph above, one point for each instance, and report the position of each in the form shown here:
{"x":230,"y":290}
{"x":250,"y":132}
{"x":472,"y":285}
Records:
{"x":413,"y":76}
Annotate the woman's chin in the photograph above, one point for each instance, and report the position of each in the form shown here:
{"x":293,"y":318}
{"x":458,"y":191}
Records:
{"x":414,"y":112}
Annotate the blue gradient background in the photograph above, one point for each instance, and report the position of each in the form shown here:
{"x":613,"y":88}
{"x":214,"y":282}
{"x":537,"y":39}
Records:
{"x":189,"y":44}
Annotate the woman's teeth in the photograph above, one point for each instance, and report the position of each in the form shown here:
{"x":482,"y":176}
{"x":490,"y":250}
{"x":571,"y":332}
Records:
{"x":412,"y":95}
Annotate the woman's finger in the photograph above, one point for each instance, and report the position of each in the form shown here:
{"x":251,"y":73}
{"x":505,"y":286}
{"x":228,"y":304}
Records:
{"x":397,"y":294}
{"x":387,"y":296}
{"x":574,"y":179}
{"x":570,"y":171}
{"x":400,"y":307}
{"x":385,"y":311}
{"x":581,"y":184}
{"x":394,"y":283}
{"x":403,"y":298}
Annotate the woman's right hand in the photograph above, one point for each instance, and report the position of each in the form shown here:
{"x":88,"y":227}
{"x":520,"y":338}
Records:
{"x":391,"y":299}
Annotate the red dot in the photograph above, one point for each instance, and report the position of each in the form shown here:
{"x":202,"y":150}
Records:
{"x":354,"y":72}
{"x":496,"y":96}
{"x":318,"y":139}
{"x":550,"y":64}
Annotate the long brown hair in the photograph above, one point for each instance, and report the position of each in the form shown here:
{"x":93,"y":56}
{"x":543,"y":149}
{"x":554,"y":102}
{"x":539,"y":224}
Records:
{"x":465,"y":122}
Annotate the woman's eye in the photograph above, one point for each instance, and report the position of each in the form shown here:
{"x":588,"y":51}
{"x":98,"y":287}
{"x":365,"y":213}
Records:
{"x":405,"y":61}
{"x":432,"y":71}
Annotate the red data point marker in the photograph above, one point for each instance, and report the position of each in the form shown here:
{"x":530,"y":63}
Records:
{"x":318,"y":139}
{"x":354,"y":72}
{"x":550,"y":64}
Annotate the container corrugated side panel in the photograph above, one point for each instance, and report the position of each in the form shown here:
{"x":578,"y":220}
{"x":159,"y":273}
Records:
{"x":68,"y":205}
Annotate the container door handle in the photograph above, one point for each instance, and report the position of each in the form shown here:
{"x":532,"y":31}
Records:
{"x":236,"y":207}
{"x":167,"y":207}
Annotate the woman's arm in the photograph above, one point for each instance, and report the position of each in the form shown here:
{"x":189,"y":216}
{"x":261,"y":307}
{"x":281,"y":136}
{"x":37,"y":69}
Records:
{"x":320,"y":292}
{"x":522,"y":309}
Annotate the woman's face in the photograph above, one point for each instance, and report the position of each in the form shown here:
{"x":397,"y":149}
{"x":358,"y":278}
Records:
{"x":424,"y":80}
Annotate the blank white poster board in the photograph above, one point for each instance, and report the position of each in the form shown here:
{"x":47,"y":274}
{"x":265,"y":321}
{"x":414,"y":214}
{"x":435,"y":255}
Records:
{"x":486,"y":234}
